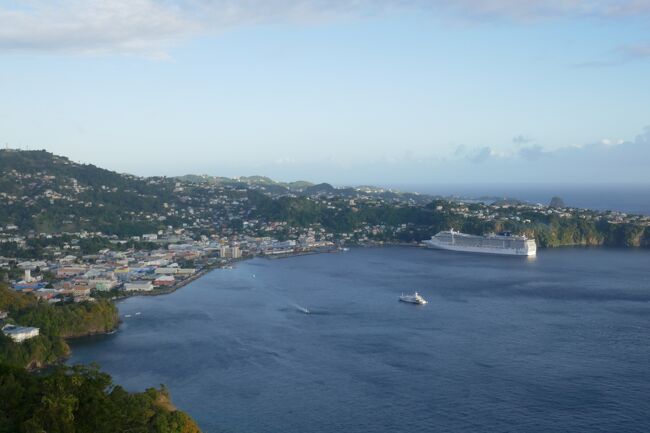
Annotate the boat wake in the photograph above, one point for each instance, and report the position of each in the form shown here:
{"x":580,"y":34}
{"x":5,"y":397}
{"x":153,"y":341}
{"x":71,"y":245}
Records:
{"x":301,"y":309}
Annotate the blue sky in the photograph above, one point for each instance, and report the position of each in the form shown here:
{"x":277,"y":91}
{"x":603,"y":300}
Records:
{"x":358,"y":91}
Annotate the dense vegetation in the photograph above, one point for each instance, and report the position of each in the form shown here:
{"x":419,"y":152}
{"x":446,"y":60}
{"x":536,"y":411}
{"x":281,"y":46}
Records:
{"x":35,"y":352}
{"x":83,"y":400}
{"x":424,"y":221}
{"x":55,"y":322}
{"x":71,"y":399}
{"x":93,"y":199}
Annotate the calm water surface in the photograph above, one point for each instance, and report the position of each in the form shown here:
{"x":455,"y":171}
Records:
{"x":559,"y":343}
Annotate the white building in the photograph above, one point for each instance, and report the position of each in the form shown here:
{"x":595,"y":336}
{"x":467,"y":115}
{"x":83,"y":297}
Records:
{"x":20,"y":333}
{"x":186,"y":271}
{"x":166,"y":271}
{"x":103,"y":284}
{"x":227,"y":252}
{"x":138,"y":286}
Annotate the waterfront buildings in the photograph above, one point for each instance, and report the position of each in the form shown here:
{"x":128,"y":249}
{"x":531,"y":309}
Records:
{"x":230,"y":252}
{"x":138,"y":286}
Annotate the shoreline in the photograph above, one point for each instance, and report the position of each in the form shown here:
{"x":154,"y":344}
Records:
{"x":209,"y":268}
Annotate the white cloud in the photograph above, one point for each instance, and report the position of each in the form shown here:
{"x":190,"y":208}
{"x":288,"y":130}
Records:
{"x":610,"y":142}
{"x":521,"y":139}
{"x":482,"y":154}
{"x":126,"y":26}
{"x":150,"y":26}
{"x":540,"y":9}
{"x":533,"y":152}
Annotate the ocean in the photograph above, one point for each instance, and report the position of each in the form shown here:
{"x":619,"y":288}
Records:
{"x":320,"y":343}
{"x":633,"y":199}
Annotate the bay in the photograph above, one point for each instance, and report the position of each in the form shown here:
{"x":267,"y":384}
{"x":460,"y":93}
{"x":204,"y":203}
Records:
{"x":320,"y":343}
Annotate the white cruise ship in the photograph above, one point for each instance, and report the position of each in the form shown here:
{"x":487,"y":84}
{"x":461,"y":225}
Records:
{"x":503,"y":243}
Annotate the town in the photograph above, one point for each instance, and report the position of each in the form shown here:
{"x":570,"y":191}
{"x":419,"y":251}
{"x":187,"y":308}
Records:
{"x":95,"y":234}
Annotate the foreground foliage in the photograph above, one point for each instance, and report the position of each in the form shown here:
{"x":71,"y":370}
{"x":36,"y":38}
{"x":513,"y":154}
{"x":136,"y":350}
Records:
{"x":55,"y":322}
{"x":71,"y":399}
{"x":83,"y":400}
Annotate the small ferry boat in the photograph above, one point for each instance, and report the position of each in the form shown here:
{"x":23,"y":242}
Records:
{"x":415,"y":298}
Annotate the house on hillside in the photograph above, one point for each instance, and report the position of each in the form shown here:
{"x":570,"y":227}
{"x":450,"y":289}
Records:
{"x":20,"y":333}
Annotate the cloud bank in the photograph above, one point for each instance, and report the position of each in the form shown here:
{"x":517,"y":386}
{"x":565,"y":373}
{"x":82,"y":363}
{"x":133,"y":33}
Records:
{"x":606,"y":161}
{"x":151,"y":26}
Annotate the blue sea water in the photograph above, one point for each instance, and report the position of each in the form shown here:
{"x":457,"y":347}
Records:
{"x":320,"y":344}
{"x":630,"y":198}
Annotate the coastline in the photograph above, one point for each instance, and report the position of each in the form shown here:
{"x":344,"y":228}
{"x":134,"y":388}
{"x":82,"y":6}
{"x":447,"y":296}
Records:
{"x":218,"y":305}
{"x":208,"y":268}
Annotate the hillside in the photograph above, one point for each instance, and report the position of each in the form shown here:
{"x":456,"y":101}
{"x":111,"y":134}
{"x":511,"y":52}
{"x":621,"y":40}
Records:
{"x":45,"y":193}
{"x":83,"y":400}
{"x":56,"y":322}
{"x":48,"y":193}
{"x":48,"y":198}
{"x":71,"y":399}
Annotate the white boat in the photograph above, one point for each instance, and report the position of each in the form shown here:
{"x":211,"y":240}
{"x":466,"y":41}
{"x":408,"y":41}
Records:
{"x":415,"y":298}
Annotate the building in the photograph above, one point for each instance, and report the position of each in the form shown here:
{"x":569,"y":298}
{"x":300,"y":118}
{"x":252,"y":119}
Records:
{"x":70,"y":271}
{"x":102,"y":284}
{"x":28,"y":276}
{"x":227,"y":252}
{"x":186,"y":271}
{"x":45,"y":294}
{"x":164,"y":280}
{"x":166,"y":271}
{"x":122,"y":274}
{"x":20,"y":333}
{"x":81,"y":291}
{"x":138,"y":286}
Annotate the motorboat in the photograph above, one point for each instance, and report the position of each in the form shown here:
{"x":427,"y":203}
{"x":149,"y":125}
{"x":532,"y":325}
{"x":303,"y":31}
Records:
{"x":415,"y":298}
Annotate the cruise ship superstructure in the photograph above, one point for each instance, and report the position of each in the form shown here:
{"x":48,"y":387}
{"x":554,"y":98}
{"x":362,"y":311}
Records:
{"x":503,"y":243}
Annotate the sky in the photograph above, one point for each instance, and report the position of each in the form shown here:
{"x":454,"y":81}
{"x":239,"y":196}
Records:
{"x":349,"y":92}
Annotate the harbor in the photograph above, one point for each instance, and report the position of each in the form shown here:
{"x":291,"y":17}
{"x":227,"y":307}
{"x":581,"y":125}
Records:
{"x":372,"y":360}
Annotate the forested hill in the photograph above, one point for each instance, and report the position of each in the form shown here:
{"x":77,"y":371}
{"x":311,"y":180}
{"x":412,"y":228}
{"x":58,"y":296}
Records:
{"x":43,"y":194}
{"x":70,"y":399}
{"x":83,"y":400}
{"x":48,"y":193}
{"x":55,"y":322}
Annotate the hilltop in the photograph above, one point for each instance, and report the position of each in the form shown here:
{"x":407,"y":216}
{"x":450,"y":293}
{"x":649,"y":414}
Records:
{"x":47,"y":193}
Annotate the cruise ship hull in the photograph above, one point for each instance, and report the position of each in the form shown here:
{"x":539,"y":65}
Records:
{"x":483,"y":249}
